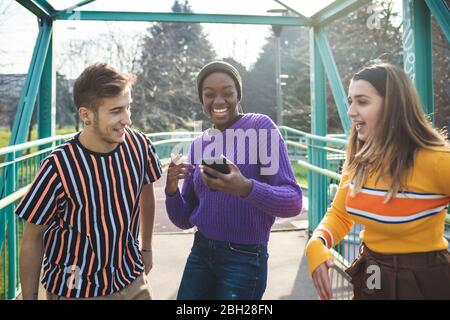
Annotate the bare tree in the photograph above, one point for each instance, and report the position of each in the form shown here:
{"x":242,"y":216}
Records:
{"x":5,"y":10}
{"x":5,"y":7}
{"x":116,"y":46}
{"x":124,"y":48}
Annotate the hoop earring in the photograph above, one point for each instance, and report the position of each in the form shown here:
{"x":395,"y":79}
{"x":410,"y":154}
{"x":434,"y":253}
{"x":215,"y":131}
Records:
{"x":240,"y":110}
{"x":87,"y":122}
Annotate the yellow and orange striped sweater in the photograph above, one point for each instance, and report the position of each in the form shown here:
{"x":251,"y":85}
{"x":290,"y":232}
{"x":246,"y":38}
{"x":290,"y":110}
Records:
{"x":412,"y":222}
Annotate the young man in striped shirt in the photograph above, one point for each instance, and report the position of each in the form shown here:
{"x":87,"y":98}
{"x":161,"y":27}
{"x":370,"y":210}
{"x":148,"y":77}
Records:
{"x":90,"y":199}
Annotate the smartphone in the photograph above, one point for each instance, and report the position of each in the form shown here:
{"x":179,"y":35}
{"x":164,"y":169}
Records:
{"x":218,"y":164}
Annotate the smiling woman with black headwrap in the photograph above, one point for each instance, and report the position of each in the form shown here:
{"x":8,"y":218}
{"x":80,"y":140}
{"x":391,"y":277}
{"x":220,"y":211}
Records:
{"x":233,"y":211}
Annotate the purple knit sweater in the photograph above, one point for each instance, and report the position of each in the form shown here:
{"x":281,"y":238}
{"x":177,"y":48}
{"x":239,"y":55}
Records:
{"x":224,"y":217}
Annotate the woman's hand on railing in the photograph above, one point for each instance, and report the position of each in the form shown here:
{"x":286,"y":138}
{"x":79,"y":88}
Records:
{"x":175,"y":172}
{"x":321,"y":280}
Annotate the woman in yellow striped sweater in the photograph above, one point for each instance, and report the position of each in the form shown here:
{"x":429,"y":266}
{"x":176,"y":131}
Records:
{"x":395,"y":182}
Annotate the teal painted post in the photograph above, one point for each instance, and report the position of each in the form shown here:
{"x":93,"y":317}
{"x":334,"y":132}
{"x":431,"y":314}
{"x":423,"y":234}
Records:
{"x":78,"y":5}
{"x":334,"y":78}
{"x":31,"y":86}
{"x":12,"y":236}
{"x":181,"y":17}
{"x":417,"y":51}
{"x":4,"y":259}
{"x":335,"y":10}
{"x":318,"y":192}
{"x":46,"y":100}
{"x":2,"y":250}
{"x":40,"y":8}
{"x":2,"y":228}
{"x":441,"y":13}
{"x":18,"y":135}
{"x":311,"y":219}
{"x":29,"y":93}
{"x":44,"y":4}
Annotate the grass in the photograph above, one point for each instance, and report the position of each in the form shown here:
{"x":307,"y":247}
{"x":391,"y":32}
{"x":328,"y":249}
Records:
{"x":301,"y":174}
{"x":5,"y":134}
{"x":4,"y":271}
{"x":4,"y":260}
{"x":3,"y":280}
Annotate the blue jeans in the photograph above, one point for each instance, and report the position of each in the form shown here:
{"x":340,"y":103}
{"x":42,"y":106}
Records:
{"x":224,"y":271}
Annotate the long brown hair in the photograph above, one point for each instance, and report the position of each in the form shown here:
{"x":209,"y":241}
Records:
{"x":401,"y":130}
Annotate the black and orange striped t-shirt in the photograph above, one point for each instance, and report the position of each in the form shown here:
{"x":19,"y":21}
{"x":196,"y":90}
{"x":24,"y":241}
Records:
{"x":90,"y":202}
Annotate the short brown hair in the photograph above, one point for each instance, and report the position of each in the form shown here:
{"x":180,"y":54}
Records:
{"x":97,"y":82}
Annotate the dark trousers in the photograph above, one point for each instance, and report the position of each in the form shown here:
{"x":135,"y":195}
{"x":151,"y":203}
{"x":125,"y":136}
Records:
{"x":224,"y":271}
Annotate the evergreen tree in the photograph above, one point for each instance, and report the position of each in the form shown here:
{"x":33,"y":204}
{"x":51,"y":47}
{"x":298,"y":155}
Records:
{"x":165,"y":92}
{"x":358,"y":40}
{"x":67,"y":114}
{"x":441,"y":73}
{"x":353,"y":45}
{"x":294,"y":57}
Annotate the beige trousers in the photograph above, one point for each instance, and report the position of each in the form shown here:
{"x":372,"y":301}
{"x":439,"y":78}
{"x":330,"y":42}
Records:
{"x":137,"y":290}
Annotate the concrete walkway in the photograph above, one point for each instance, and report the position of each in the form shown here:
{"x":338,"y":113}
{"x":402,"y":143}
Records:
{"x":288,"y":275}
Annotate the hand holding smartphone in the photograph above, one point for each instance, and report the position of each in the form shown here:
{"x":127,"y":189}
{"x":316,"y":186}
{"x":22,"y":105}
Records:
{"x":219,"y":164}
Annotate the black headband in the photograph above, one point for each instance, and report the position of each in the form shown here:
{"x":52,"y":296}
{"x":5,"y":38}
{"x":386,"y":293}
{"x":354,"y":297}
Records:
{"x":376,"y":75}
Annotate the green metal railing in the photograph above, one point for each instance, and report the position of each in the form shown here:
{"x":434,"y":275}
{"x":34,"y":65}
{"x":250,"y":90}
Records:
{"x":348,"y":249}
{"x":323,"y":159}
{"x":172,"y":142}
{"x":23,"y":160}
{"x":18,"y":166}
